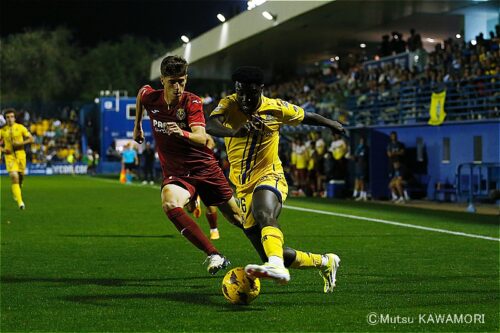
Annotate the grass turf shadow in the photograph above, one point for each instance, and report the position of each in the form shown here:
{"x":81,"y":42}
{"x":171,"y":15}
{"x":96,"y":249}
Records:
{"x":119,"y":236}
{"x":106,"y":282}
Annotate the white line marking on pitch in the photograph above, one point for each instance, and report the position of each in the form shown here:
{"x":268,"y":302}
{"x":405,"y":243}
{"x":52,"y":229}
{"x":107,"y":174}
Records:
{"x":399,"y":224}
{"x":354,"y":217}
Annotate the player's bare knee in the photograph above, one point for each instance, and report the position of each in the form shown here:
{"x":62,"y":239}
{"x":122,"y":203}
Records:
{"x":14,"y":177}
{"x":264,"y":218}
{"x":168,"y":205}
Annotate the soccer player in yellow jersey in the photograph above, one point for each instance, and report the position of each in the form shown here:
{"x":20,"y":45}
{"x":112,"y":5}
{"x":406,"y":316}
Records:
{"x":15,"y":136}
{"x":250,"y":123}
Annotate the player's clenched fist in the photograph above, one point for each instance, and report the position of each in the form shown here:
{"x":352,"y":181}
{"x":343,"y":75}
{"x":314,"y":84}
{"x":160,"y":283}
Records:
{"x":138,"y":135}
{"x":173,"y":128}
{"x":337,"y":127}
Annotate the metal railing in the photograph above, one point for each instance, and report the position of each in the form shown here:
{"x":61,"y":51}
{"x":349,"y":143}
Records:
{"x":476,"y":180}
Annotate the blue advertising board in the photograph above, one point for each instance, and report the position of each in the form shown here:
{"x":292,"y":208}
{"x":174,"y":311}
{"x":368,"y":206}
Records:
{"x":44,"y":169}
{"x":117,"y":117}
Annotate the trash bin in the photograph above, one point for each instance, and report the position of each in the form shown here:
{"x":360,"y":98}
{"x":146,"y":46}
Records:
{"x":335,"y":189}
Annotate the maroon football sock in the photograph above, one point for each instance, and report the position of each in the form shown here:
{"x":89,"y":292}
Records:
{"x":191,"y":230}
{"x":212,"y":219}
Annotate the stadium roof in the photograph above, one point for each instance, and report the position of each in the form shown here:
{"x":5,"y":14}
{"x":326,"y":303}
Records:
{"x":303,"y":32}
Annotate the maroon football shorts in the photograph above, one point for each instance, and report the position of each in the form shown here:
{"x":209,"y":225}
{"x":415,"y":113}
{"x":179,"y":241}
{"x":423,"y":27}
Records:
{"x":214,"y":190}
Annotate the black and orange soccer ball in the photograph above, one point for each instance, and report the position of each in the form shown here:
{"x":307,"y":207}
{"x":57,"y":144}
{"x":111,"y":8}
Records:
{"x":238,"y":288}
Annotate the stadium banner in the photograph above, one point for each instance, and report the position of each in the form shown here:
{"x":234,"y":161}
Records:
{"x":436,"y":110}
{"x":44,"y":169}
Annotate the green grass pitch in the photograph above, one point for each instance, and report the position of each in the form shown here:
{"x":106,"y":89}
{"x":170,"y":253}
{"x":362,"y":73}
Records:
{"x":94,"y":255}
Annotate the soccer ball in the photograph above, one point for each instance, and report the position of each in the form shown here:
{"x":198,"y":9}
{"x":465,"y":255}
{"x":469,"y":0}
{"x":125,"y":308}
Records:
{"x":238,"y":288}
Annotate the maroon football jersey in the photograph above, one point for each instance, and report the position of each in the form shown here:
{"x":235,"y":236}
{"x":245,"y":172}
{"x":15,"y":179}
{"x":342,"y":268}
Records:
{"x":178,"y":157}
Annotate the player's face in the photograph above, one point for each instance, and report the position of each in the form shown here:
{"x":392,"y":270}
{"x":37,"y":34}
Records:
{"x":249,"y":96}
{"x":10,"y":119}
{"x":174,"y":85}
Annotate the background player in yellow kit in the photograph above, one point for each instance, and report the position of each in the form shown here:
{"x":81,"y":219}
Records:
{"x":250,"y":123}
{"x":15,"y":136}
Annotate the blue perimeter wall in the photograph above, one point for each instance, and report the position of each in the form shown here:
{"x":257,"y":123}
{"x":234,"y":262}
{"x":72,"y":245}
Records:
{"x":461,"y":136}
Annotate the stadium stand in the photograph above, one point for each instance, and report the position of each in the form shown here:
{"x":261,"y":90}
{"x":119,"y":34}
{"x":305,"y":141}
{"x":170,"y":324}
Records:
{"x":54,"y":140}
{"x":389,"y":91}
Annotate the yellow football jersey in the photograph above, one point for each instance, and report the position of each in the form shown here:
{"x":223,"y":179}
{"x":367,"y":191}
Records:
{"x":256,"y":155}
{"x":302,"y":157}
{"x":15,"y":133}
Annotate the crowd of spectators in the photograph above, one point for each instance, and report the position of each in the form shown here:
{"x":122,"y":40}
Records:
{"x":55,"y":139}
{"x":312,"y":160}
{"x":338,"y":91}
{"x":344,"y":91}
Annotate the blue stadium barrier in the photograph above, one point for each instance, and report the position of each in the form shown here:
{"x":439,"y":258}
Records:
{"x":45,"y":169}
{"x":475,"y":181}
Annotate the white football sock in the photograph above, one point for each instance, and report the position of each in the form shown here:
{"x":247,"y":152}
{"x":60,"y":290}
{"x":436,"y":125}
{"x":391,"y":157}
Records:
{"x":275,"y":260}
{"x":407,"y":196}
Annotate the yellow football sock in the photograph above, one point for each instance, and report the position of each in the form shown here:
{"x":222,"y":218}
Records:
{"x":16,"y":191}
{"x":272,"y":241}
{"x":306,"y":260}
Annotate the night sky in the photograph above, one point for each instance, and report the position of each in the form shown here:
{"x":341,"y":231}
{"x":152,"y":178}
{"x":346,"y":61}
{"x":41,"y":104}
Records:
{"x":93,"y":21}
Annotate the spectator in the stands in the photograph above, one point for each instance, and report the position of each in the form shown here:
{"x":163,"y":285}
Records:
{"x":301,"y":163}
{"x":385,"y":47}
{"x":360,"y":157}
{"x":338,"y":148}
{"x":395,"y":153}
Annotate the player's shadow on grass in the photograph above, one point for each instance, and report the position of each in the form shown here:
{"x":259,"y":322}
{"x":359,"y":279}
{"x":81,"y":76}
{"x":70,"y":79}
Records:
{"x":105,"y":282}
{"x":119,"y":236}
{"x":198,"y":298}
{"x":241,"y":308}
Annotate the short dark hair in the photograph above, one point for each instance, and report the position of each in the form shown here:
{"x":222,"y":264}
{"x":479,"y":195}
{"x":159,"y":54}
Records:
{"x":9,"y":110}
{"x":248,"y":74}
{"x":173,"y":66}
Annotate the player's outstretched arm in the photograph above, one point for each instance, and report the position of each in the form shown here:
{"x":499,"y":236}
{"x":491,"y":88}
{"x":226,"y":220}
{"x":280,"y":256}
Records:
{"x":315,"y":119}
{"x":138,"y":132}
{"x":216,"y":128}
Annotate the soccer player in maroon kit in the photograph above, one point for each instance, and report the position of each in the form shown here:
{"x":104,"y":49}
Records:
{"x":189,"y":166}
